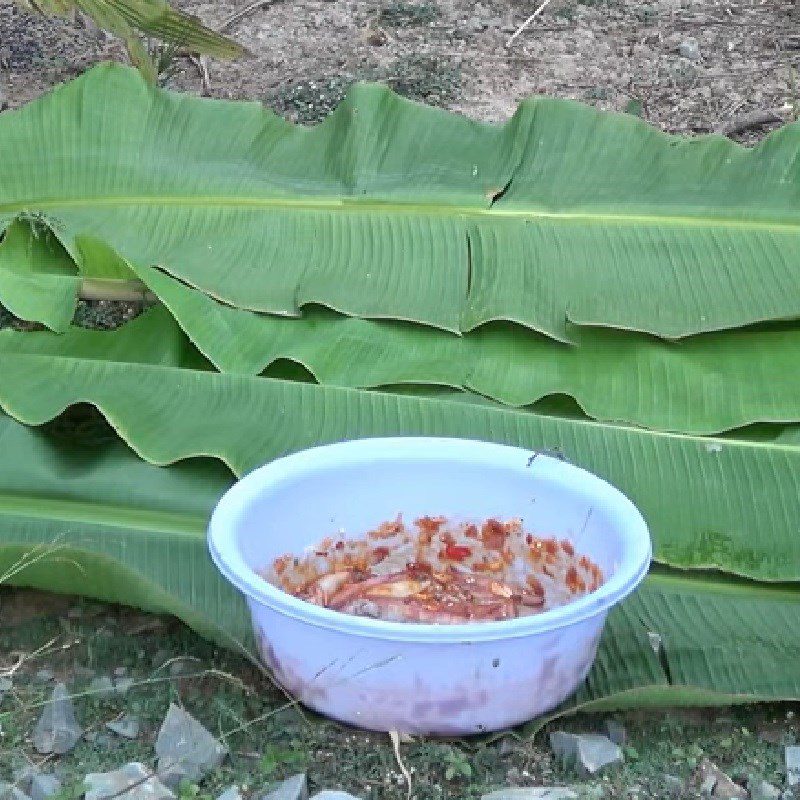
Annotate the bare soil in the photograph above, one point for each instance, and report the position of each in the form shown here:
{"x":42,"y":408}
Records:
{"x":739,"y":57}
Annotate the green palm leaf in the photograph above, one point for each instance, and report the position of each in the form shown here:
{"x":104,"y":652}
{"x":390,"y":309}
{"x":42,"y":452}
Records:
{"x":71,"y":509}
{"x":393,"y":210}
{"x":155,"y":18}
{"x":722,"y":503}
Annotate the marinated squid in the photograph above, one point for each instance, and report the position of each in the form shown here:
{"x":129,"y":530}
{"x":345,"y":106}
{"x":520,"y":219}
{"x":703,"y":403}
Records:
{"x":438,"y":572}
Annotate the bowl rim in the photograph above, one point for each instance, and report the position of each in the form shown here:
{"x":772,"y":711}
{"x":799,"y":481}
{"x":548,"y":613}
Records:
{"x":631,"y":570}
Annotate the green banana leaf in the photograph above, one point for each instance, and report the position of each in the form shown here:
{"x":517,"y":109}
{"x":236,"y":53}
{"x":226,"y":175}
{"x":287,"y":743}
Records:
{"x":722,"y":503}
{"x":85,"y":516}
{"x":704,"y":384}
{"x":393,"y":210}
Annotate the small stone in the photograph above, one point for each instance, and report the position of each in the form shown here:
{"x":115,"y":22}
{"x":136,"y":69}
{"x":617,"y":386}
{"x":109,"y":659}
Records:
{"x":231,"y":793}
{"x":23,"y":774}
{"x":102,"y":685}
{"x":132,"y":782}
{"x":689,"y":48}
{"x":294,"y":788}
{"x":532,"y":793}
{"x":57,"y":731}
{"x":44,"y":786}
{"x":126,"y":726}
{"x":334,"y":795}
{"x":120,"y":672}
{"x":122,"y":685}
{"x":616,"y":732}
{"x":727,"y":789}
{"x":673,"y":785}
{"x":590,"y":752}
{"x":10,"y":792}
{"x":792,"y":760}
{"x":185,"y":749}
{"x":44,"y":676}
{"x":763,"y":790}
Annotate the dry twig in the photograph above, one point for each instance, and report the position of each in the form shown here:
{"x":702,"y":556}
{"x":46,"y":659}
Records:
{"x":243,"y":12}
{"x":527,"y":22}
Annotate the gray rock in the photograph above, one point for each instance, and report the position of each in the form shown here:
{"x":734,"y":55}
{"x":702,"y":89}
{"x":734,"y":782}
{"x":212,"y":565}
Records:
{"x":294,"y":788}
{"x":689,"y":48}
{"x":126,"y":726}
{"x":23,"y":773}
{"x":10,"y":792}
{"x":334,"y":795}
{"x":44,"y":676}
{"x":44,"y":786}
{"x":132,"y":782}
{"x":673,"y":785}
{"x":763,"y":790}
{"x":121,"y":685}
{"x":185,"y":749}
{"x":792,"y":759}
{"x":590,"y":752}
{"x":616,"y":732}
{"x":532,"y":793}
{"x":102,"y":685}
{"x":57,"y":731}
{"x":728,"y":790}
{"x":231,"y":793}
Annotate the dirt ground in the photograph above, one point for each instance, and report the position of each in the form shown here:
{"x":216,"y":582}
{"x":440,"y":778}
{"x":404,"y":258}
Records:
{"x":688,"y":66}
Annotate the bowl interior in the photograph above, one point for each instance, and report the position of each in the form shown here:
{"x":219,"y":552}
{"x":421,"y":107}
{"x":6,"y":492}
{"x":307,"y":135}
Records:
{"x":298,"y":501}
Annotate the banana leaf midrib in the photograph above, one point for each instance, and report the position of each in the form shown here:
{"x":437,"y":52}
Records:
{"x":68,"y":510}
{"x":439,"y":208}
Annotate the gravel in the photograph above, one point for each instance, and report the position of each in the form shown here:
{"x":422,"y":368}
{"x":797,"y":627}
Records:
{"x":590,"y":752}
{"x":44,"y":786}
{"x":294,"y":788}
{"x":57,"y":731}
{"x":131,"y":782}
{"x":126,"y":726}
{"x":185,"y":749}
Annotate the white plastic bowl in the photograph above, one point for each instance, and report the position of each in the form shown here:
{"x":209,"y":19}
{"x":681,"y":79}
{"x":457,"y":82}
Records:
{"x":421,"y":678}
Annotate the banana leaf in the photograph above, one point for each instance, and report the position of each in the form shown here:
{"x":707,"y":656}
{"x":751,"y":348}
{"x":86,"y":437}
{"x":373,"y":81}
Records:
{"x":719,"y":503}
{"x":703,"y":384}
{"x":392,"y":210}
{"x":89,"y":517}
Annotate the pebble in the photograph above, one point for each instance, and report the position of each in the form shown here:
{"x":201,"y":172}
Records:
{"x":792,"y":758}
{"x":10,"y":792}
{"x":532,"y":793}
{"x":132,"y":782}
{"x":231,"y":793}
{"x":689,"y":48}
{"x":616,"y":732}
{"x":57,"y":731}
{"x":294,"y":788}
{"x":23,"y":774}
{"x":102,"y":685}
{"x":185,"y":749}
{"x":126,"y":726}
{"x":763,"y":790}
{"x":44,"y":786}
{"x":334,"y":795}
{"x":590,"y":752}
